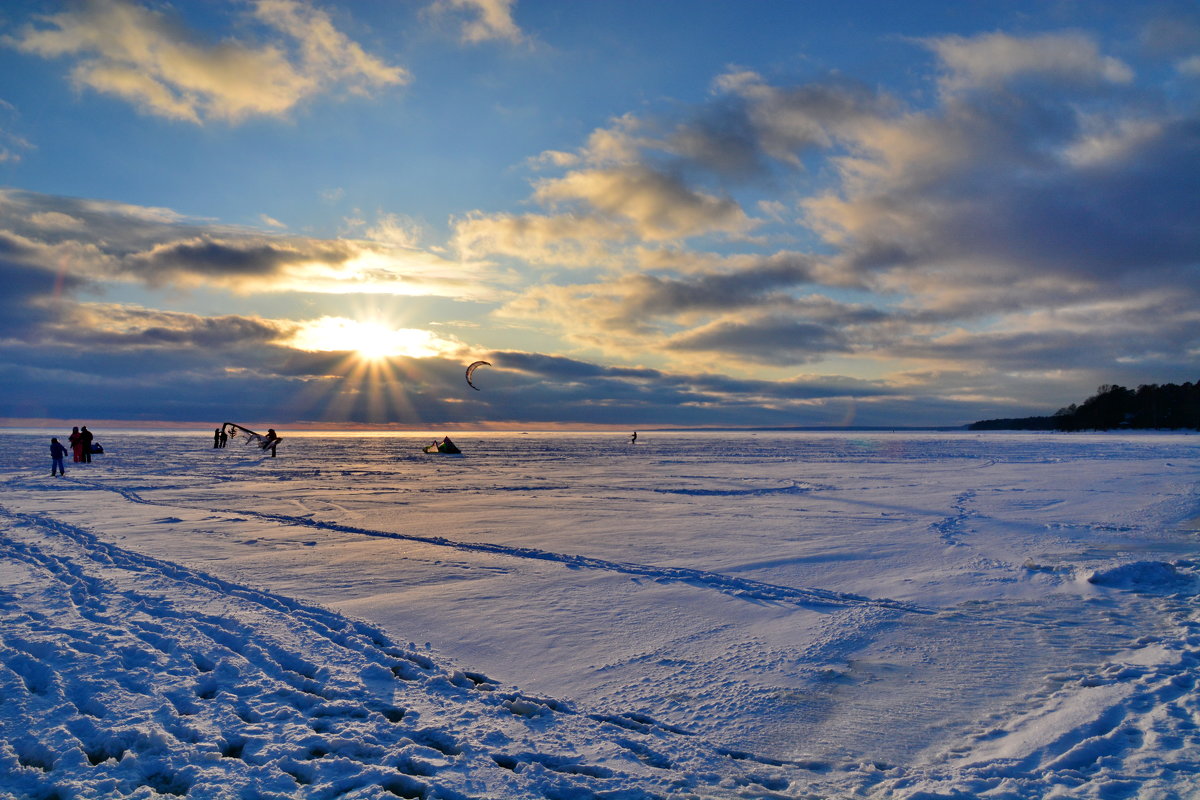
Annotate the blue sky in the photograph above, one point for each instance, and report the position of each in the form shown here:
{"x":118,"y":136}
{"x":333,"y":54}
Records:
{"x":642,"y":214}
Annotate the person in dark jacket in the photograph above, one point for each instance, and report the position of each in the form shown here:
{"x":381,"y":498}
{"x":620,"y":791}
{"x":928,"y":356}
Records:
{"x":57,"y":452}
{"x":86,"y":437}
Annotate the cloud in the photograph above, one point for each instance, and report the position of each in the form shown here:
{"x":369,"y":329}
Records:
{"x":12,"y":145}
{"x":151,"y":61}
{"x":752,"y":122}
{"x":769,"y":338}
{"x":564,"y":239}
{"x":117,"y":327}
{"x":114,"y":242}
{"x":483,"y":20}
{"x":657,"y":206}
{"x":994,"y":60}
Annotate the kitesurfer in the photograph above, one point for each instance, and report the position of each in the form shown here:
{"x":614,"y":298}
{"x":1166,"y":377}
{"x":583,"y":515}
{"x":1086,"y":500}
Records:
{"x":271,"y":442}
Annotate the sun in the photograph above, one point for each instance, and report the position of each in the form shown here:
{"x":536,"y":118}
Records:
{"x":369,"y":340}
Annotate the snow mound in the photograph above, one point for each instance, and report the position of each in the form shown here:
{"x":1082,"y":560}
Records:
{"x":1149,"y":577}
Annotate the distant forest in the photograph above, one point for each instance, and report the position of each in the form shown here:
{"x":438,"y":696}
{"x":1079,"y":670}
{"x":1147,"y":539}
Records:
{"x":1168,"y":406}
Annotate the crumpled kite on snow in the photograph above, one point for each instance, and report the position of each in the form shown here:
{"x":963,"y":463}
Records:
{"x":471,"y":371}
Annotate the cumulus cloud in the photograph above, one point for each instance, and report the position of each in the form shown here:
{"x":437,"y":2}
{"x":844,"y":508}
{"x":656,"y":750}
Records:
{"x":152,"y":61}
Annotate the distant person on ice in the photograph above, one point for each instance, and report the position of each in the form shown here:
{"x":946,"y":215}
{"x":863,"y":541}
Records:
{"x":216,"y":438}
{"x":633,"y":439}
{"x":85,"y":436}
{"x":57,"y":451}
{"x":271,"y":442}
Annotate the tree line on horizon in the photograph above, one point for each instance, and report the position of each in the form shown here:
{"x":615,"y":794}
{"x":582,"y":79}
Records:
{"x":1150,"y":406}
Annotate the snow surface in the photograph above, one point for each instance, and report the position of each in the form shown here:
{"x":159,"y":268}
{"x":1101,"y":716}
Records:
{"x":571,"y":616}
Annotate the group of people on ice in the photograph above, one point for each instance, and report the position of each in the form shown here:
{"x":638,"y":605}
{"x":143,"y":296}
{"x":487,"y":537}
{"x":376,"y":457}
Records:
{"x":82,"y":445}
{"x":268,"y":441}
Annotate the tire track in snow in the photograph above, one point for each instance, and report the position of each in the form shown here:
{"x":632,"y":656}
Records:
{"x":744,"y":588}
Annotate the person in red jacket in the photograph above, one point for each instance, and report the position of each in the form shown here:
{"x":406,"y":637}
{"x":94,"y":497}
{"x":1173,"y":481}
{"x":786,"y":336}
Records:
{"x":76,"y":440}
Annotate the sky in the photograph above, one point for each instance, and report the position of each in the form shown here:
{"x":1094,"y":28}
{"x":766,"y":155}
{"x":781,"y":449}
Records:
{"x":640,"y":214}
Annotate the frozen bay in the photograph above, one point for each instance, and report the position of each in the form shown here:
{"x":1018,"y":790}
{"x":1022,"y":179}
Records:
{"x":774,"y":614}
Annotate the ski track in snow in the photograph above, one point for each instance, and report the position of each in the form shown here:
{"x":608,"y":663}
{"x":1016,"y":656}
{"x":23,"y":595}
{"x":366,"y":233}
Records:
{"x":737,"y":587}
{"x":150,"y":679}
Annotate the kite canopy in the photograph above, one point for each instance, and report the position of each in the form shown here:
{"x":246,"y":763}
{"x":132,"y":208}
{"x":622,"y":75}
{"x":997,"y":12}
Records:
{"x":471,"y":371}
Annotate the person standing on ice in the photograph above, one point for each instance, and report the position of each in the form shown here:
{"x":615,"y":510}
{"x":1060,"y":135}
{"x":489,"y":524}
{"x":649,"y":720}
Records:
{"x":76,"y":441}
{"x":57,"y":452}
{"x":216,"y":438}
{"x":633,"y":439}
{"x":85,"y":438}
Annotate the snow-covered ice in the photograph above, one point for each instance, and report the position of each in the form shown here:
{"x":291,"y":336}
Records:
{"x":908,"y":615}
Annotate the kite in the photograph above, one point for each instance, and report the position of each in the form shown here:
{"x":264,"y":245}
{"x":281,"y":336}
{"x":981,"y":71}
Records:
{"x":267,"y":440}
{"x":471,"y":371}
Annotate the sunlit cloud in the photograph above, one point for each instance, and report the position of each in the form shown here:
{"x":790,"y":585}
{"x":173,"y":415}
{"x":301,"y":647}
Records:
{"x":151,"y":60}
{"x":99,"y":241}
{"x":482,"y":20}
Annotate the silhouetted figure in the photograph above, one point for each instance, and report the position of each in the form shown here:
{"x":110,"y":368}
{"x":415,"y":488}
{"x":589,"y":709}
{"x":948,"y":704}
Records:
{"x":216,"y":438}
{"x":224,"y":437}
{"x":86,"y":437}
{"x":57,"y":452}
{"x":633,"y":439}
{"x":271,"y":442}
{"x":76,"y":441}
